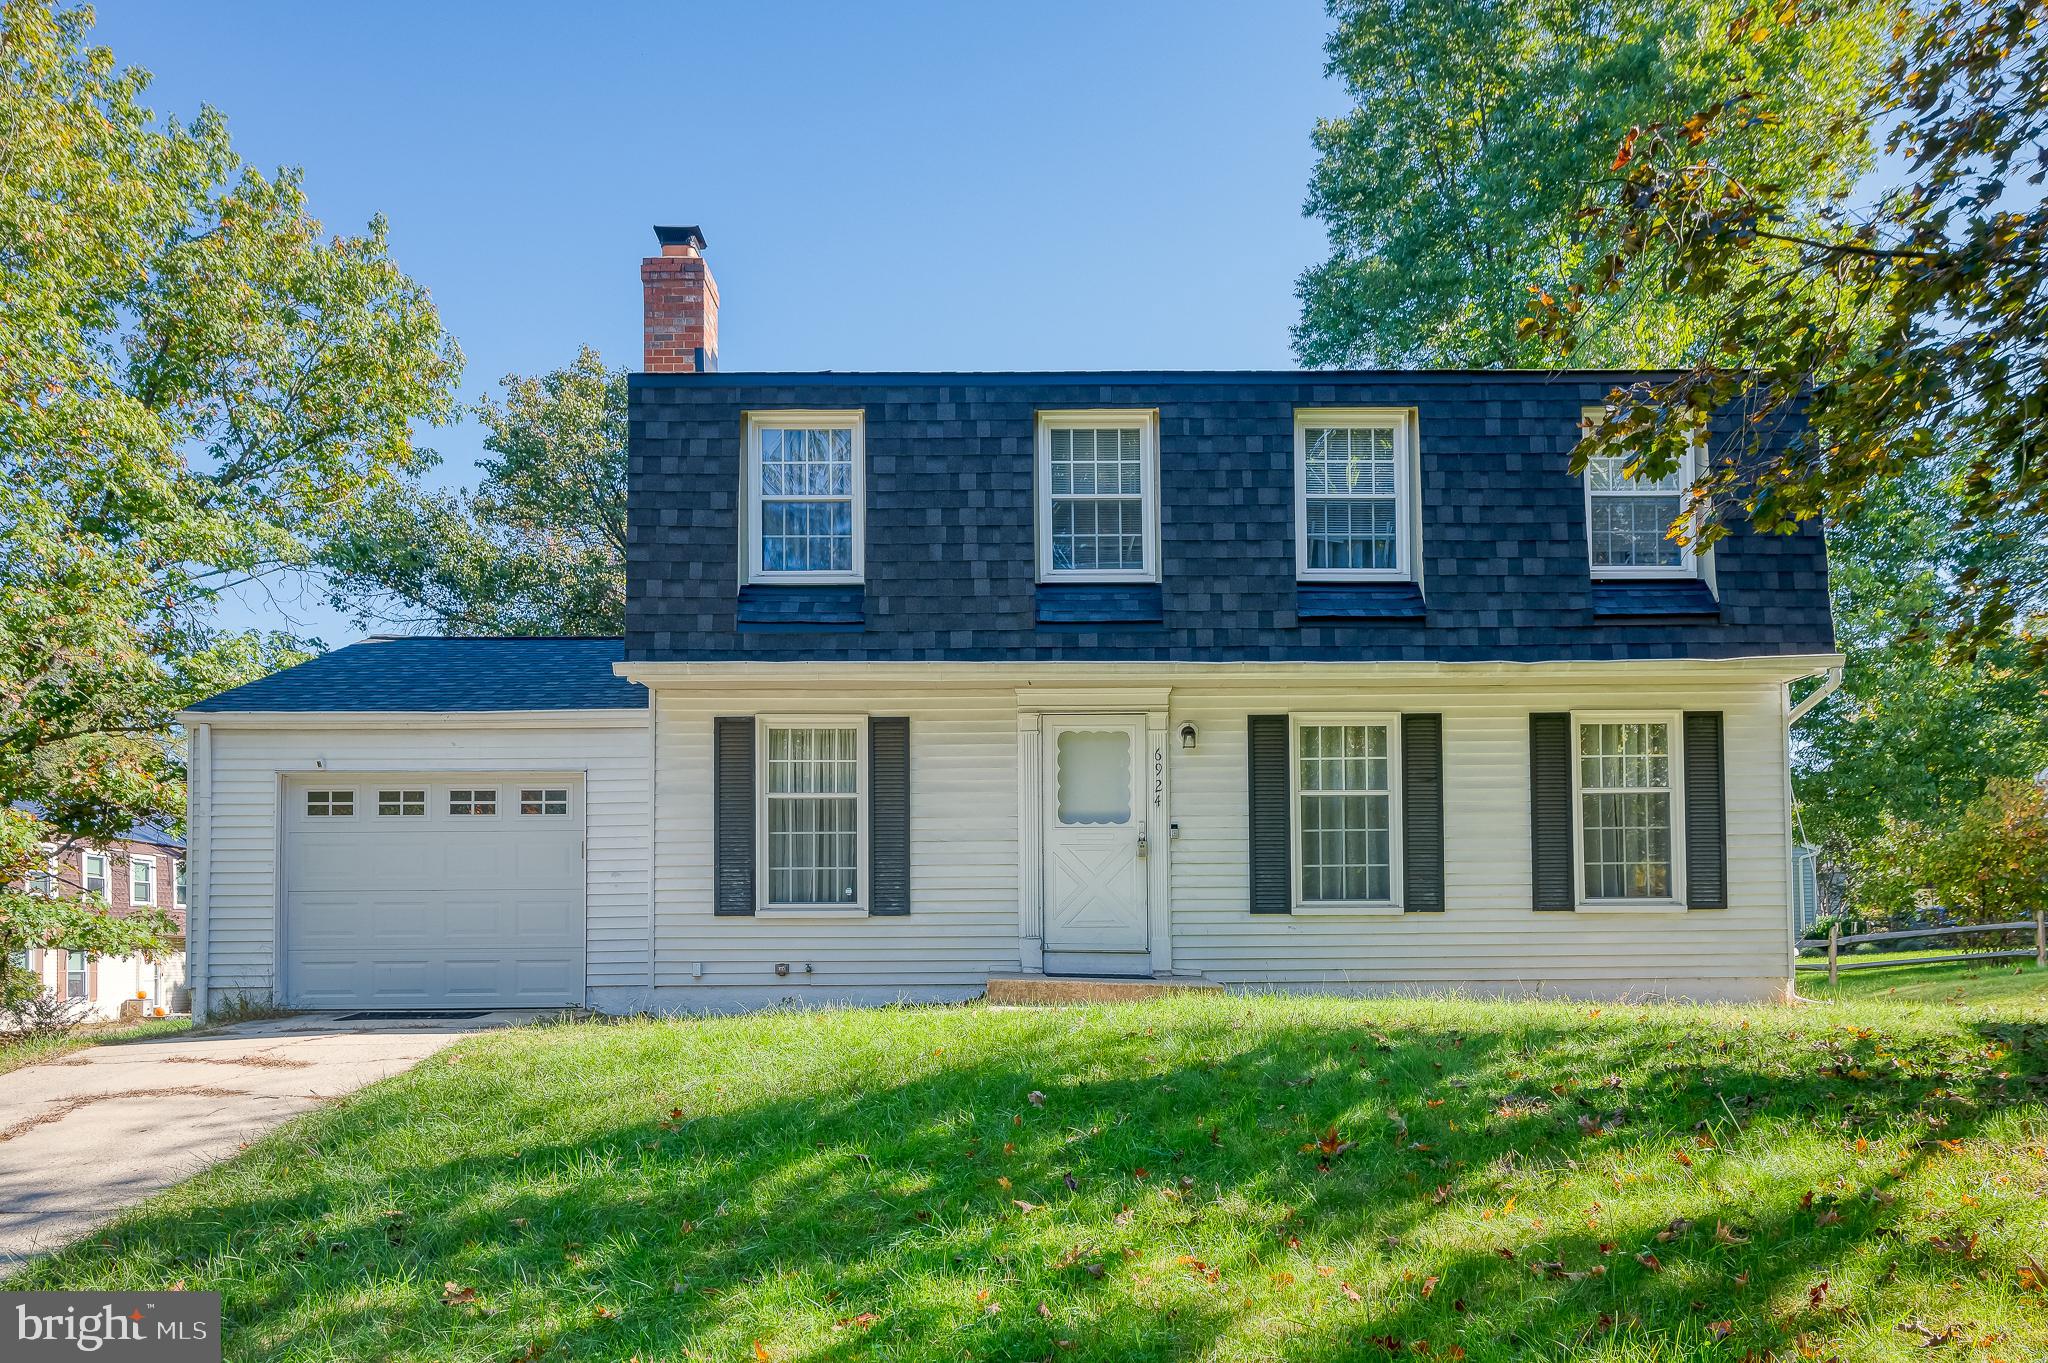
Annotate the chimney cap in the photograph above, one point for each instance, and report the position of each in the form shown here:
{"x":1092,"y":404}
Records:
{"x":679,"y":236}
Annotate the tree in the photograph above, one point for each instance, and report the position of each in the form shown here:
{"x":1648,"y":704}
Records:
{"x":1914,"y":734}
{"x":1906,"y":323}
{"x":1988,"y":865}
{"x":197,"y":390}
{"x":1479,"y":133}
{"x":538,"y":548}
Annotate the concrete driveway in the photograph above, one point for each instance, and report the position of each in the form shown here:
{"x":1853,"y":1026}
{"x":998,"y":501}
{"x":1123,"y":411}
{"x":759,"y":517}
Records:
{"x":91,"y":1134}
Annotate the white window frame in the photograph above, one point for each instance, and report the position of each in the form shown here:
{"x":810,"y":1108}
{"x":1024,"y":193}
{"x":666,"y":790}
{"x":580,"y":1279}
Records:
{"x":44,"y":881}
{"x":80,"y":964}
{"x":105,"y":875}
{"x":1675,"y":903}
{"x":496,"y":790}
{"x":1396,"y":885}
{"x":1688,"y":564}
{"x":543,"y":791}
{"x":306,"y":804}
{"x":1407,"y":512}
{"x":859,"y":907}
{"x":425,"y":802}
{"x":181,"y":892}
{"x":854,"y":420}
{"x":136,"y":863}
{"x":1145,"y":421}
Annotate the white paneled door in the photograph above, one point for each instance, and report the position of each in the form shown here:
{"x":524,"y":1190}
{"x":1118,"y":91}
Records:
{"x":1095,"y":831}
{"x":433,"y":891}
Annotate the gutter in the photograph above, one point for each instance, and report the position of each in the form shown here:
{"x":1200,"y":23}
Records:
{"x":1832,"y":681}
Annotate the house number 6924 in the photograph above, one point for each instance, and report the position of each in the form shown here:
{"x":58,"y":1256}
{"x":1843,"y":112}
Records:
{"x":1158,"y":777}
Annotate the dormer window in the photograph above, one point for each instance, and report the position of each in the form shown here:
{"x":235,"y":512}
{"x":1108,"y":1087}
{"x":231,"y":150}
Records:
{"x":805,"y":520}
{"x":1628,"y":520}
{"x":1354,"y":499}
{"x":1098,"y":496}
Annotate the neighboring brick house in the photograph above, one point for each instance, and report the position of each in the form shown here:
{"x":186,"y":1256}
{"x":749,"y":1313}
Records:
{"x":144,"y":869}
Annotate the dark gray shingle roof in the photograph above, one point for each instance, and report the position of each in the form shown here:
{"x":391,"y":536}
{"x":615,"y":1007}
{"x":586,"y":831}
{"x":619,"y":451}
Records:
{"x":446,"y":674}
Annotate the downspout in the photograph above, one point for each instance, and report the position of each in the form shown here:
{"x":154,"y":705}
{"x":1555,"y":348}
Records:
{"x":198,"y":865}
{"x":1830,"y":683}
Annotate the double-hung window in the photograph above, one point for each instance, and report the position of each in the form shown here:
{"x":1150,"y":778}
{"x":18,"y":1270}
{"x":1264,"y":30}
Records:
{"x":1098,"y":496}
{"x":94,"y":880}
{"x":1354,"y":501}
{"x":142,"y":880}
{"x":77,"y":975}
{"x":1345,"y":776}
{"x":1628,"y":808}
{"x":805,"y":481}
{"x":179,"y":890}
{"x":1629,"y":520}
{"x":813,"y":786}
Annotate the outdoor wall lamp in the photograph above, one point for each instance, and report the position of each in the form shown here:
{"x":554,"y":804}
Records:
{"x":1187,"y":738}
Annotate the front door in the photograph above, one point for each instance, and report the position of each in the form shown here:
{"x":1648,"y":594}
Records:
{"x":1095,"y":846}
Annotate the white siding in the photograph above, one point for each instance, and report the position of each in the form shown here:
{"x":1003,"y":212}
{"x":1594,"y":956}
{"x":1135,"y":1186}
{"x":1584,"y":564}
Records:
{"x":965,"y":867}
{"x":241,"y":891}
{"x":963,"y":860}
{"x":1488,"y":937}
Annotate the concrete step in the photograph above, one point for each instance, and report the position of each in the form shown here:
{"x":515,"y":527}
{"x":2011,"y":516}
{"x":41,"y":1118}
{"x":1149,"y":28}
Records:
{"x":1052,"y":990}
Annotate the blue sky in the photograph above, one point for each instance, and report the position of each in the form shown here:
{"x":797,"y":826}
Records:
{"x":882,"y":186}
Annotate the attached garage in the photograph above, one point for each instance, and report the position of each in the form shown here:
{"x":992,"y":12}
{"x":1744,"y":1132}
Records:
{"x":424,"y":823}
{"x":426,"y":890}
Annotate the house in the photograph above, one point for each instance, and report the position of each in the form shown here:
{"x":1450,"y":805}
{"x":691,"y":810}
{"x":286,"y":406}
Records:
{"x":1330,"y":680}
{"x":143,"y":868}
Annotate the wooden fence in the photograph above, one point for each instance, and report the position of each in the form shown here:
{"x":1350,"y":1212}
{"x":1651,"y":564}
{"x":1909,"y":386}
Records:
{"x":1834,"y":965}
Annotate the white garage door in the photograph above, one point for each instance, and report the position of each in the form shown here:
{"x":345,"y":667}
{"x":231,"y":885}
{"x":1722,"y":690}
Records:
{"x":433,"y":891}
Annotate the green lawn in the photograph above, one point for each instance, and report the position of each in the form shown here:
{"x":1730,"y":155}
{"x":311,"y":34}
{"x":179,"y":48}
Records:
{"x":2002,"y":984}
{"x":14,"y":1053}
{"x":1197,"y":1178}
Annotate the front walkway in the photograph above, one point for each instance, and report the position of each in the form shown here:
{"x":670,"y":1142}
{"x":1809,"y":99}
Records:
{"x":91,"y":1134}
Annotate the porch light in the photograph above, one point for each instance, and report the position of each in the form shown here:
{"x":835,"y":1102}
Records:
{"x":1187,"y":738}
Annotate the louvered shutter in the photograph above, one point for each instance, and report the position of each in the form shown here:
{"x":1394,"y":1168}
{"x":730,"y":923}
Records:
{"x":1550,"y":810}
{"x":1706,"y":819}
{"x":1270,"y":861}
{"x":732,"y":814}
{"x":888,"y":815}
{"x":1422,"y":813}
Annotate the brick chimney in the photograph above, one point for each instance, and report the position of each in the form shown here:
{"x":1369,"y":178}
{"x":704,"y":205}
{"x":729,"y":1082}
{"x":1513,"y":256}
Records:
{"x":682,"y":305}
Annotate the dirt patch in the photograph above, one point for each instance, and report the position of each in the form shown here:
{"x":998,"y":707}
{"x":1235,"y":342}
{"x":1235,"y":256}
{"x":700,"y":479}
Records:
{"x":59,"y":1110}
{"x":260,"y":1062}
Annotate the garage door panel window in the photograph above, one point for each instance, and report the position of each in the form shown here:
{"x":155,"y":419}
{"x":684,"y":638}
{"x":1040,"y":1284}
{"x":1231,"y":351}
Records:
{"x":402,"y":804}
{"x":473,"y":802}
{"x":546,"y":801}
{"x":812,"y":820}
{"x":330,"y":804}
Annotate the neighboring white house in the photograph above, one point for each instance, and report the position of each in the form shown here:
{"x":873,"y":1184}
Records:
{"x":1296,"y":680}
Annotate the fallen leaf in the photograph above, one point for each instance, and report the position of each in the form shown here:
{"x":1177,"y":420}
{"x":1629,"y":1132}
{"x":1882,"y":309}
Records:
{"x":1035,"y":1098}
{"x":455,"y":1294}
{"x":1649,"y":1261}
{"x":1350,"y":1292}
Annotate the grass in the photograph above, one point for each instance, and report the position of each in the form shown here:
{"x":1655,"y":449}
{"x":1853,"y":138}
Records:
{"x":2009,"y":982}
{"x":1196,"y":1178}
{"x":18,"y":1052}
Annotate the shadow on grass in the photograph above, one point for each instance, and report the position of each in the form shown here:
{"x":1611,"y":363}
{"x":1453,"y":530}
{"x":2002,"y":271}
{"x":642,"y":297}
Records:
{"x":1151,"y":1206}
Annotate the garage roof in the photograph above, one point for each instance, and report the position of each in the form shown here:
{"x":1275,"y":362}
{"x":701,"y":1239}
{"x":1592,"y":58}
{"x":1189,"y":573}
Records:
{"x":435,"y":673}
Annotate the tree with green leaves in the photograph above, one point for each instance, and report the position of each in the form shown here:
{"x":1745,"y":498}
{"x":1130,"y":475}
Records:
{"x":1906,"y":322}
{"x":198,"y":390}
{"x":1478,"y":138}
{"x":538,"y":548}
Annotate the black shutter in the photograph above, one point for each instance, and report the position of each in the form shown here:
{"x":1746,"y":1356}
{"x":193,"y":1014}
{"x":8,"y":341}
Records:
{"x":1706,"y":818}
{"x":732,"y":814}
{"x":1550,"y":810}
{"x":888,"y":815}
{"x":1272,"y":877}
{"x":1422,"y":813}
